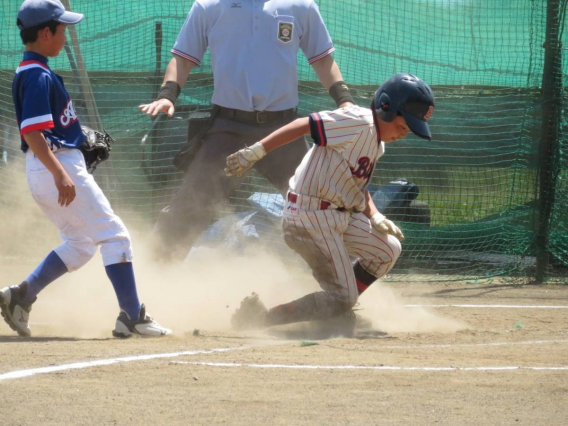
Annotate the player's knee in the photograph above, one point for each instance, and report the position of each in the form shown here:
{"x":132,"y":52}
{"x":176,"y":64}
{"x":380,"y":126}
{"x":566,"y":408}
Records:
{"x":117,"y":250}
{"x":346,"y":302}
{"x":76,"y":254}
{"x":396,"y":248}
{"x":353,"y":297}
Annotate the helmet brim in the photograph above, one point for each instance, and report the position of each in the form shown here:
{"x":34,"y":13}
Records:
{"x":419,"y":127}
{"x":70,"y":18}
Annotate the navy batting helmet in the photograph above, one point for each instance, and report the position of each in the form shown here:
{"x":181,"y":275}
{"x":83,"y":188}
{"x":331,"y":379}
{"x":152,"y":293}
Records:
{"x":407,"y":95}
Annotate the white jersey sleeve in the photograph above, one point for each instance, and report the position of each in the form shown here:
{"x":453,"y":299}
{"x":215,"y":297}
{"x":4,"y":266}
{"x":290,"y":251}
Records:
{"x":337,"y":129}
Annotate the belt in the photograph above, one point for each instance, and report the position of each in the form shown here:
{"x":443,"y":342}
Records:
{"x":258,"y":117}
{"x":293,"y":198}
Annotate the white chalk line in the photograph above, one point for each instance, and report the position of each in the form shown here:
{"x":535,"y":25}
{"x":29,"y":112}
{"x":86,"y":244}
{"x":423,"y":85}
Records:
{"x":469,"y":345}
{"x":101,"y":362}
{"x":491,"y":306}
{"x":365,"y":367}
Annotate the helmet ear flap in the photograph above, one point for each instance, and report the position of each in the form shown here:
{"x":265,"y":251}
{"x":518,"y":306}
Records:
{"x":385,"y":110}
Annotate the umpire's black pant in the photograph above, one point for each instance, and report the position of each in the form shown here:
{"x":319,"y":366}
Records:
{"x":205,"y":187}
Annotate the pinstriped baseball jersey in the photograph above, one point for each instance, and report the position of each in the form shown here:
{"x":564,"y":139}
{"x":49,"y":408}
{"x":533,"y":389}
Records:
{"x":340,"y":166}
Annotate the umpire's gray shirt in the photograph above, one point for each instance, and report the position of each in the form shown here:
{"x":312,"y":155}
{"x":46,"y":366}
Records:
{"x":254,"y":46}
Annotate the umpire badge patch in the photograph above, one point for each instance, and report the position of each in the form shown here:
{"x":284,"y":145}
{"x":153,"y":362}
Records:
{"x":285,"y":31}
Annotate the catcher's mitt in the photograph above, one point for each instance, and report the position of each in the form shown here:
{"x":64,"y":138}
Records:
{"x":96,"y":148}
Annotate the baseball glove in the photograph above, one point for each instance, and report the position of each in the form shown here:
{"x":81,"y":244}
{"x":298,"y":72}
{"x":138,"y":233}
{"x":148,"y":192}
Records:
{"x":241,"y":161}
{"x":96,"y":148}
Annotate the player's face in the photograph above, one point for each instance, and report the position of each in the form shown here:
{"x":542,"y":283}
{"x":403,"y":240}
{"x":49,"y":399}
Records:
{"x":59,"y":38}
{"x":395,"y":130}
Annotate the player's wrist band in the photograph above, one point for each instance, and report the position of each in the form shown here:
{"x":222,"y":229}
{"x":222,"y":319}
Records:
{"x":169,"y":90}
{"x":340,"y":93}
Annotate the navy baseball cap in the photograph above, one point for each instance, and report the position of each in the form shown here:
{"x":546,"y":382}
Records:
{"x":36,"y":12}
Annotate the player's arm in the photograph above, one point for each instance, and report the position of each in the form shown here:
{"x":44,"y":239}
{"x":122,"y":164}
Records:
{"x":176,"y":75}
{"x":330,"y":77}
{"x":65,"y":186}
{"x":378,"y":220}
{"x":242,"y":160}
{"x":370,"y":207}
{"x":286,"y":134}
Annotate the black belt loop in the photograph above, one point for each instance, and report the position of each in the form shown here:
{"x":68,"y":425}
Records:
{"x":260,"y":117}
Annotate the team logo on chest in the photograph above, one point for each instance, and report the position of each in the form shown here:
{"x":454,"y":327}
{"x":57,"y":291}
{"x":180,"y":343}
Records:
{"x":364,"y":168}
{"x":68,"y":116}
{"x":285,"y":30}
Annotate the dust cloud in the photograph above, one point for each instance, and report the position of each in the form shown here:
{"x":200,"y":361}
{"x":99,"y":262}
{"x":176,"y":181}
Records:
{"x":388,"y":311}
{"x":200,"y":293}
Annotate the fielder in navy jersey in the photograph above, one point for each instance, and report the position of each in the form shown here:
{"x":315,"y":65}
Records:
{"x":329,"y":217}
{"x":51,"y":138}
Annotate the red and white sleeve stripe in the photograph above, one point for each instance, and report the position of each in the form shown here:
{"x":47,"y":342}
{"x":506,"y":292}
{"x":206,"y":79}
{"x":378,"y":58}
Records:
{"x":186,"y":56}
{"x":41,"y":122}
{"x":321,"y":55}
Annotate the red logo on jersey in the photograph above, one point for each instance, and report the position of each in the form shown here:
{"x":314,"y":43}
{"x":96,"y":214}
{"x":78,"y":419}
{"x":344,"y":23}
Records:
{"x":364,"y":169}
{"x":429,"y":113}
{"x":68,"y":116}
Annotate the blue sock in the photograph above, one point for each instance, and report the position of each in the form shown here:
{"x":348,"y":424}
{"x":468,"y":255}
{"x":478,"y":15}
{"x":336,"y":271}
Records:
{"x":51,"y":268}
{"x":122,"y":278}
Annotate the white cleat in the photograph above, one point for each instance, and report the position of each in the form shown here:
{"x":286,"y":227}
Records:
{"x":15,"y":311}
{"x":144,"y":326}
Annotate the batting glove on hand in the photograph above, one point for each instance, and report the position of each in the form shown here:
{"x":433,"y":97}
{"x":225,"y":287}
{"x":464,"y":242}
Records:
{"x":385,"y":226}
{"x":241,"y":161}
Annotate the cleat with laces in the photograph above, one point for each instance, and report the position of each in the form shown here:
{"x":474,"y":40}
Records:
{"x":144,"y":326}
{"x":15,"y":311}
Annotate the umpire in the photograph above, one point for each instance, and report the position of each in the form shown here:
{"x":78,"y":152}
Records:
{"x":254,"y":46}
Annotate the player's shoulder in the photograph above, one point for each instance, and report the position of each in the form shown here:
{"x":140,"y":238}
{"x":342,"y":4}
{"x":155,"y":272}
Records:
{"x":207,"y":4}
{"x":32,"y":72}
{"x":353,"y":112}
{"x":32,"y":68}
{"x":293,"y":4}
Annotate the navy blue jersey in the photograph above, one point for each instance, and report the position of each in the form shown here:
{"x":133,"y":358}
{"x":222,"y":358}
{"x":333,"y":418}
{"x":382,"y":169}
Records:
{"x":42,"y":103}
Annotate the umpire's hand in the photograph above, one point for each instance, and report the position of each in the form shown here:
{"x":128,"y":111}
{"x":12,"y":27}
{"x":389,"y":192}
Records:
{"x":161,"y":105}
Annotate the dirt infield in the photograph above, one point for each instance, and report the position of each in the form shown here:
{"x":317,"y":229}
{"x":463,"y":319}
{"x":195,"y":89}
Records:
{"x":452,"y":364}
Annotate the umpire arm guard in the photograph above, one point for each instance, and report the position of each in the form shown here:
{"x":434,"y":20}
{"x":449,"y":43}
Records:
{"x":96,"y":148}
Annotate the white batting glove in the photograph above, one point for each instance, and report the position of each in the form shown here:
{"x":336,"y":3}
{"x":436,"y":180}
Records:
{"x":385,"y":226}
{"x":242,"y":160}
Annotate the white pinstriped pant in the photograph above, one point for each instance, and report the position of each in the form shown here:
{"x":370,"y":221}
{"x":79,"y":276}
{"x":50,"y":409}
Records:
{"x":327,"y":238}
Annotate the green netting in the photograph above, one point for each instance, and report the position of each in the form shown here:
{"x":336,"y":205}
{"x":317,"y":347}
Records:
{"x":481,"y":176}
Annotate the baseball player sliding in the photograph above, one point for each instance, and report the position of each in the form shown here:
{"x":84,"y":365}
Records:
{"x":329,"y":214}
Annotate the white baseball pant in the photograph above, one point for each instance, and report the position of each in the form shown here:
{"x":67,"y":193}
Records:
{"x":88,"y":221}
{"x":327,"y":238}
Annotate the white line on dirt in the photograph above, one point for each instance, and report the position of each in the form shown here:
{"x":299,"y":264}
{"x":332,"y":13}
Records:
{"x":370,"y":367}
{"x":100,"y":362}
{"x":462,"y":345}
{"x":491,"y":306}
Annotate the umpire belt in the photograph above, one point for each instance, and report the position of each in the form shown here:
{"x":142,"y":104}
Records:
{"x":257,"y":117}
{"x":305,"y":202}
